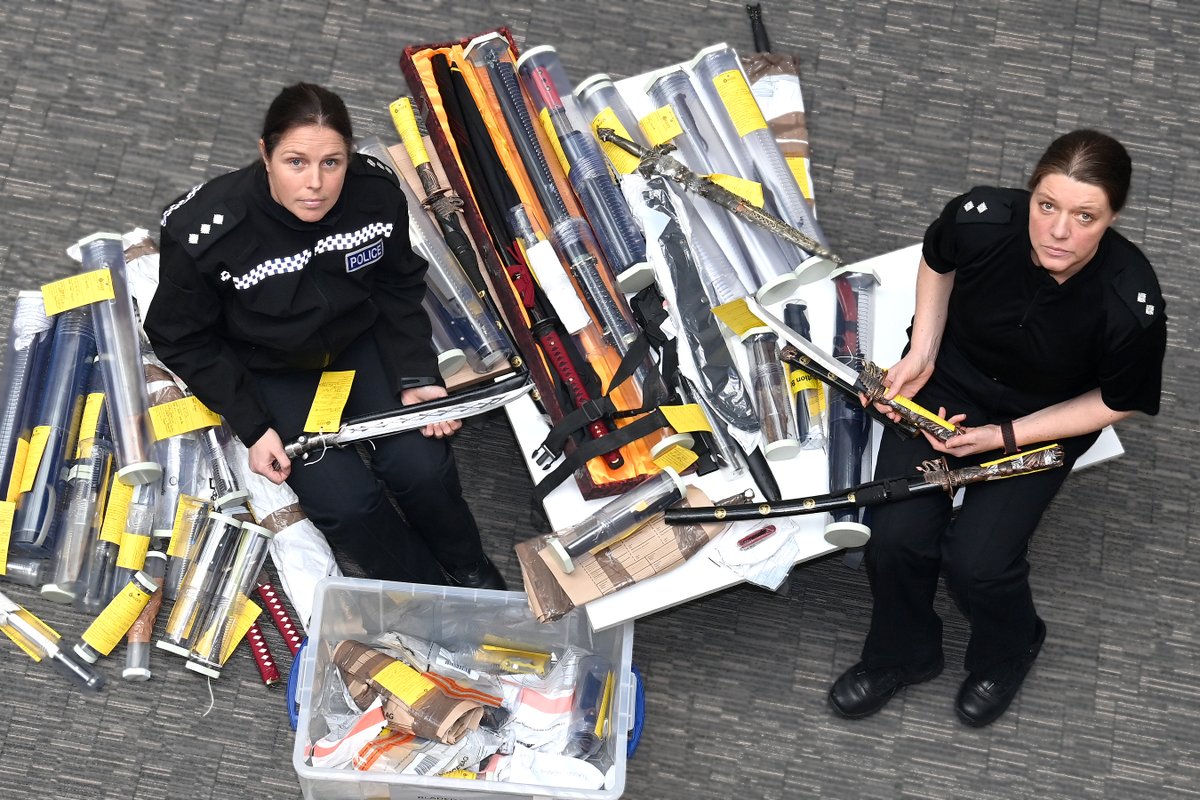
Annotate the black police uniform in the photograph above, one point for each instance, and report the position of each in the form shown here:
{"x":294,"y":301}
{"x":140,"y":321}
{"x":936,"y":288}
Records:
{"x":253,"y":304}
{"x":1015,"y":341}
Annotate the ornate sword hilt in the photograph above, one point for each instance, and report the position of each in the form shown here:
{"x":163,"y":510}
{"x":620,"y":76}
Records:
{"x":870,"y":381}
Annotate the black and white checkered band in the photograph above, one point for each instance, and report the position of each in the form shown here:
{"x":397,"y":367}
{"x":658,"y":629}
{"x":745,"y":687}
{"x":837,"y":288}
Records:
{"x":186,"y":197}
{"x":297,"y":262}
{"x":349,"y":241}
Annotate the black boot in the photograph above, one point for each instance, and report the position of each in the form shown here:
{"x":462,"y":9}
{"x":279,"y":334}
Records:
{"x":986,"y":695}
{"x":482,"y":575}
{"x":861,"y":691}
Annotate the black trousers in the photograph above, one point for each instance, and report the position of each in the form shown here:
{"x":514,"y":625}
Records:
{"x":345,"y":497}
{"x":982,"y":550}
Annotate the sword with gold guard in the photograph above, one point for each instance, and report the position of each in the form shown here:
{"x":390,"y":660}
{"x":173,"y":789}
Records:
{"x":934,"y":476}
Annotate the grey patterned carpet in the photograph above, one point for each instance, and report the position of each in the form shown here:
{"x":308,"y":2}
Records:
{"x":116,"y":106}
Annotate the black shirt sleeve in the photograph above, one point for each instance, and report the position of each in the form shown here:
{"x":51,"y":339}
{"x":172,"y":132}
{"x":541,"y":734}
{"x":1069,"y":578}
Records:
{"x":1130,"y":370}
{"x":183,"y":324}
{"x":940,"y":249}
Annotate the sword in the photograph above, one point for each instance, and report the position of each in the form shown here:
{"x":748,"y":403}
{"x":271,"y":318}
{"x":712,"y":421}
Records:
{"x":444,"y":203}
{"x":659,"y":161}
{"x":803,"y":354}
{"x":933,"y":476}
{"x":456,"y":406}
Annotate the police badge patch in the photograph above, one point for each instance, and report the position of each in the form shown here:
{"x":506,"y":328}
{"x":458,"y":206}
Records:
{"x":364,"y":256}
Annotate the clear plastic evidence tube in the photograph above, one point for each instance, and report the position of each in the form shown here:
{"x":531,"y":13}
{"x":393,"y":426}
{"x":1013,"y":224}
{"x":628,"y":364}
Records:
{"x":120,"y":360}
{"x":849,"y":426}
{"x":179,"y":454}
{"x":472,"y":322}
{"x":719,"y":79}
{"x":546,"y":83}
{"x":450,"y":356}
{"x":807,"y":390}
{"x":772,"y":397}
{"x":53,"y":438}
{"x":618,"y":518}
{"x":219,"y":629}
{"x":217,"y":448}
{"x":570,"y":235}
{"x":201,"y":582}
{"x":87,"y":481}
{"x":137,"y":652}
{"x":41,"y":643}
{"x":603,"y":104}
{"x":107,"y":629}
{"x":771,"y":260}
{"x":187,"y":536}
{"x":26,"y":571}
{"x":24,"y":359}
{"x":136,"y":533}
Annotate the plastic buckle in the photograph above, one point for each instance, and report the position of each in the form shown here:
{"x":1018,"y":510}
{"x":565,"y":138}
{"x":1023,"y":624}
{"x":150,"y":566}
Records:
{"x":544,"y":456}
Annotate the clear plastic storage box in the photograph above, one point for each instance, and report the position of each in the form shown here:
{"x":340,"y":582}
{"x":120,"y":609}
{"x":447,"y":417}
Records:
{"x":361,"y":609}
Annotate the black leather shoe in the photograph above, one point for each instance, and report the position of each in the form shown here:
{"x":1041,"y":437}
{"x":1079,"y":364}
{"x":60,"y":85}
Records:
{"x":861,"y":691}
{"x":483,"y":575}
{"x":984,"y":696}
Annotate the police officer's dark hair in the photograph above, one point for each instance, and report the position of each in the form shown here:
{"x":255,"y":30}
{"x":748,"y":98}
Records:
{"x":1089,"y":157}
{"x":305,"y":104}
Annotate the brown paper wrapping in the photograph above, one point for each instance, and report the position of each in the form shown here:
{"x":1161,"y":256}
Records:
{"x":434,"y":716}
{"x":654,"y":549}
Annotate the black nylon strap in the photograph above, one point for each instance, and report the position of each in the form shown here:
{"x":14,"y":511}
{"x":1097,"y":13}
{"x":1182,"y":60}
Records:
{"x":597,"y":408}
{"x":596,"y":447}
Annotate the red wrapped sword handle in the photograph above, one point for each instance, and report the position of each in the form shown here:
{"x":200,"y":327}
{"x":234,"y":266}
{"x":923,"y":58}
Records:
{"x":262,"y":656}
{"x":279,"y":614}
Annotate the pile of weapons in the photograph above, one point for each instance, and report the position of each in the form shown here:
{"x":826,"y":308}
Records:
{"x":577,"y":204}
{"x":119,"y":489}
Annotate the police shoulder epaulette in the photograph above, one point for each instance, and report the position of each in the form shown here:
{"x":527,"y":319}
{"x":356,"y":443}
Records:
{"x":205,"y":215}
{"x":370,"y":165}
{"x":986,"y":204}
{"x":206,"y":224}
{"x":1138,"y":289}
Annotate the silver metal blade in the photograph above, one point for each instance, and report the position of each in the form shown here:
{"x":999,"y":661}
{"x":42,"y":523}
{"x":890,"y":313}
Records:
{"x":819,"y":357}
{"x":402,"y":421}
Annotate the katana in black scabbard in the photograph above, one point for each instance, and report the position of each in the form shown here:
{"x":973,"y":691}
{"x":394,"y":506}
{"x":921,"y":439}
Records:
{"x":467,"y":403}
{"x":935,"y":476}
{"x":659,"y":161}
{"x":443,"y":202}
